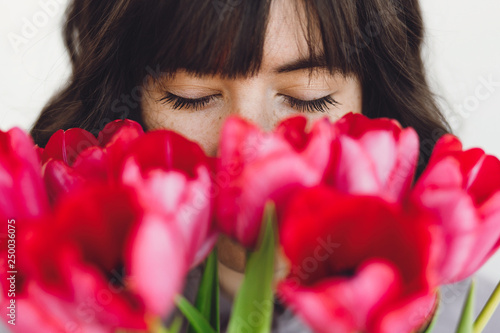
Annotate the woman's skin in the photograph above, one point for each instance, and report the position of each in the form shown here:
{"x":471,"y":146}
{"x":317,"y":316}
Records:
{"x":258,"y":99}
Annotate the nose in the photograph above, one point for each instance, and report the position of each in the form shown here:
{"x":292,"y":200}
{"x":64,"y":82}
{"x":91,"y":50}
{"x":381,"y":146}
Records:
{"x":253,"y":102}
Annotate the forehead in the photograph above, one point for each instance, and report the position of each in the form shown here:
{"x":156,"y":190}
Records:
{"x":286,"y":34}
{"x":257,"y":36}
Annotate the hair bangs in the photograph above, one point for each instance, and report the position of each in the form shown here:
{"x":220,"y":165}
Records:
{"x":330,"y":30}
{"x":227,"y":38}
{"x":210,"y":37}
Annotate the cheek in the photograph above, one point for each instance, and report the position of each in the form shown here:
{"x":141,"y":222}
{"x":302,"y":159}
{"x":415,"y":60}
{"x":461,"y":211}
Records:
{"x":201,"y":127}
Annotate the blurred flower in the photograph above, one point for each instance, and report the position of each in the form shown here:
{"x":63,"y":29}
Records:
{"x":63,"y":258}
{"x":22,"y":194}
{"x":372,"y":156}
{"x":463,"y":189}
{"x":108,"y":227}
{"x":70,"y":265}
{"x":66,"y":145}
{"x":259,"y":166}
{"x":171,"y":176}
{"x":129,"y":217}
{"x":358,"y":263}
{"x":74,"y":157}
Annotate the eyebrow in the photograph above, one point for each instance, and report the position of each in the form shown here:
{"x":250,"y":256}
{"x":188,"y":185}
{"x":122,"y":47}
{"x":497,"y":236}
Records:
{"x":318,"y":61}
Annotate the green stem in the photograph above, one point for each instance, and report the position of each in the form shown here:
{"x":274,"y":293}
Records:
{"x":488,"y":310}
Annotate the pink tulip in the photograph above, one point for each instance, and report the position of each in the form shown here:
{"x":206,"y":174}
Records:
{"x":358,"y":263}
{"x":463,"y":189}
{"x":68,"y":261}
{"x":68,"y":265}
{"x":23,"y":199}
{"x":156,"y":263}
{"x":74,"y":157}
{"x":22,"y":193}
{"x":134,"y":216}
{"x":99,"y":263}
{"x":67,"y":145}
{"x":373,"y":156}
{"x":171,"y":176}
{"x":95,"y":305}
{"x":256,"y":166}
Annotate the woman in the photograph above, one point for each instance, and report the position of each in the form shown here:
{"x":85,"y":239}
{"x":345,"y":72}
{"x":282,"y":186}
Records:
{"x":187,"y":65}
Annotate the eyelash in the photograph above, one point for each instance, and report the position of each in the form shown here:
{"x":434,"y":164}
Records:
{"x":316,"y":105}
{"x":180,"y":103}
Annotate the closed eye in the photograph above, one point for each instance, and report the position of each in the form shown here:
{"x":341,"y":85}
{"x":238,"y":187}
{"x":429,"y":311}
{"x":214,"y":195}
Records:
{"x":180,"y":103}
{"x":315,"y":105}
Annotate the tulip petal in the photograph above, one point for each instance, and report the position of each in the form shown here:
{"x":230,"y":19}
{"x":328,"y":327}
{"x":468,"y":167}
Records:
{"x":115,"y":131}
{"x":344,"y":304}
{"x":259,"y":166}
{"x":460,"y":188}
{"x":22,"y":193}
{"x":373,"y":156}
{"x":486,"y":180}
{"x":409,"y":315}
{"x":179,"y":200}
{"x":60,"y":179}
{"x":371,"y":254}
{"x":157,"y":266}
{"x":67,"y":145}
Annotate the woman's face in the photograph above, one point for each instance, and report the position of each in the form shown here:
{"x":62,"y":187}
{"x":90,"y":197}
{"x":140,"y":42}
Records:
{"x":264,"y":99}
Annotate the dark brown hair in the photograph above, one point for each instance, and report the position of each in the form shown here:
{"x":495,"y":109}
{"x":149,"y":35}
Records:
{"x":115,"y":45}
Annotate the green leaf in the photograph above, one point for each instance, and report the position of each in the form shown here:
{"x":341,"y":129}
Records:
{"x":155,"y":325}
{"x":253,"y":305}
{"x":207,"y":300}
{"x":195,"y":318}
{"x":162,"y":329}
{"x":488,"y":310}
{"x":467,"y":319}
{"x":175,"y":327}
{"x":430,"y":326}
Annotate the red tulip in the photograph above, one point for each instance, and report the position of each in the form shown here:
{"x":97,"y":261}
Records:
{"x":99,"y":263}
{"x":96,"y":305}
{"x":22,"y":194}
{"x":67,"y":145}
{"x":463,"y":189}
{"x":114,"y":142}
{"x":74,"y":157}
{"x":69,"y":265}
{"x":171,"y":176}
{"x":373,"y":156}
{"x":23,"y":199}
{"x":358,"y":263}
{"x":156,"y":263}
{"x":135,"y":214}
{"x":257,"y":166}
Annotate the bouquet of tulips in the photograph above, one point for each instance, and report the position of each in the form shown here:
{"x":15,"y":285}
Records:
{"x":99,"y":233}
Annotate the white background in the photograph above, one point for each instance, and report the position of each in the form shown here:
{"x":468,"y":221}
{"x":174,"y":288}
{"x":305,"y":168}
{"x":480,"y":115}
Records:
{"x":462,"y":52}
